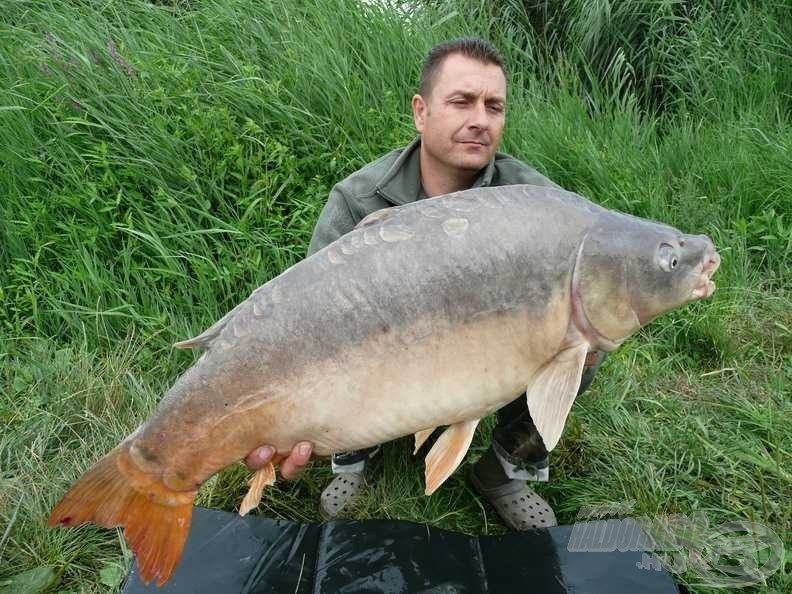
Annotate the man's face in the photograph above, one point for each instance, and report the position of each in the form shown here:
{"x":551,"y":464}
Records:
{"x":461,"y":121}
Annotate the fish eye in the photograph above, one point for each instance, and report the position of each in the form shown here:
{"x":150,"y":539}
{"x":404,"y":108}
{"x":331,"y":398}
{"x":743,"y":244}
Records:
{"x":667,"y":257}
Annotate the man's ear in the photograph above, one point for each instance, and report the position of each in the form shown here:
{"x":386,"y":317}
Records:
{"x":419,"y":109}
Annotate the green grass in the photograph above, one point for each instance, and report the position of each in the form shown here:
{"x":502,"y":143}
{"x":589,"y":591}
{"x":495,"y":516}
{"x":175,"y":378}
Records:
{"x":162,"y":160}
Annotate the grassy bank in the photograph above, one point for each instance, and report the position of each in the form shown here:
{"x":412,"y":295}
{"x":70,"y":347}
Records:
{"x":162,"y":160}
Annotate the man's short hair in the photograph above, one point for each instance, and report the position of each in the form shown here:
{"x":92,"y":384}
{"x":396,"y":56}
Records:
{"x":470,"y":47}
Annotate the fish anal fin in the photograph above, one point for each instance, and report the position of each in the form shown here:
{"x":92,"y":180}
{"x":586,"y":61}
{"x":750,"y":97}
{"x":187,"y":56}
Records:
{"x":156,"y":519}
{"x":421,"y":437}
{"x":552,"y":392}
{"x":447,"y":453}
{"x":263,"y":477}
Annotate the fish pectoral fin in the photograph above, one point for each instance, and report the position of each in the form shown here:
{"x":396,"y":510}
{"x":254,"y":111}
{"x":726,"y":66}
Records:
{"x":447,"y":453}
{"x":551,"y":394}
{"x":421,"y":437}
{"x":264,"y":477}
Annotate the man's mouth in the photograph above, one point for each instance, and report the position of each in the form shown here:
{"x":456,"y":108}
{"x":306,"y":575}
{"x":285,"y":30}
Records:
{"x":473,"y":142}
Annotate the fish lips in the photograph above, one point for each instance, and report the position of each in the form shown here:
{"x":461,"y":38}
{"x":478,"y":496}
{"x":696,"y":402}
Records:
{"x":705,"y":288}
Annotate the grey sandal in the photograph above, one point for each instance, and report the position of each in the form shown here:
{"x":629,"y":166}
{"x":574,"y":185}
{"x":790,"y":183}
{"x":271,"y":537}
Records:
{"x":520,"y":507}
{"x":340,"y":494}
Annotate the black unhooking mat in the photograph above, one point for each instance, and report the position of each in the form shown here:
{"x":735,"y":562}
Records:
{"x":229,"y":554}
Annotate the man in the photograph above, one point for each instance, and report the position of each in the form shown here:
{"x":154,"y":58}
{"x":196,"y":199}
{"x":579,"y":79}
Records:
{"x":459,"y":113}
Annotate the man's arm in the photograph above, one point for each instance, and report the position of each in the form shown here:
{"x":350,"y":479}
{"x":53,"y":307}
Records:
{"x":511,"y":171}
{"x":335,"y":220}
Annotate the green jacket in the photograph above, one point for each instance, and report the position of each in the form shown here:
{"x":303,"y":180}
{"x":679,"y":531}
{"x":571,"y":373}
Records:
{"x":395,"y":179}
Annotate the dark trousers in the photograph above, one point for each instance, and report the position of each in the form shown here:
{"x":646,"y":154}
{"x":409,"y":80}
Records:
{"x":515,"y":436}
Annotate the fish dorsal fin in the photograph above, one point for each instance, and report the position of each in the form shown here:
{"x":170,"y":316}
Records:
{"x":207,"y":336}
{"x":376,"y":217}
{"x":421,"y":437}
{"x":553,"y":390}
{"x":447,"y":453}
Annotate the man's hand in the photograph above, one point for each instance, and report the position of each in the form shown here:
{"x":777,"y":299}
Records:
{"x":291,"y":467}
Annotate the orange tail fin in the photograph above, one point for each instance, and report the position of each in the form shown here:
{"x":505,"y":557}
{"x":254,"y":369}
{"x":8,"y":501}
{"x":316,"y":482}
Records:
{"x":157,"y":519}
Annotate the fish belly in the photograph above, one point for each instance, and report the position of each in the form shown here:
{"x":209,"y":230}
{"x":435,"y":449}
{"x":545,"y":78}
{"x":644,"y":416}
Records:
{"x":425,"y":374}
{"x":391,"y":387}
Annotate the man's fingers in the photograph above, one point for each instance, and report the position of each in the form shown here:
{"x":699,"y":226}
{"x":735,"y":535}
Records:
{"x":290,"y":468}
{"x":259,"y":457}
{"x":293,"y":466}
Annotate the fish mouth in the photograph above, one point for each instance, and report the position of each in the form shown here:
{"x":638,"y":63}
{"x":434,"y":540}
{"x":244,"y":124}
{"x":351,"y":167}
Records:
{"x":705,"y":288}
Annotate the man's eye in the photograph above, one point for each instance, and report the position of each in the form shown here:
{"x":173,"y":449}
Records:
{"x":496,"y":108}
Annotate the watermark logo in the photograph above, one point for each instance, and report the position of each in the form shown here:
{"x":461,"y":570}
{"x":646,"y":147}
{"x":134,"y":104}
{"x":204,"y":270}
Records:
{"x":729,"y":555}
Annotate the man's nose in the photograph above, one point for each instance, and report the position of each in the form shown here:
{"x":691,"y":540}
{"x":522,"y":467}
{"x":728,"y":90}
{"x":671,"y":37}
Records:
{"x":479,"y":118}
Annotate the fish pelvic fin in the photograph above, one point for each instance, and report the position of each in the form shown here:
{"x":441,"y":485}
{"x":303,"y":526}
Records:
{"x":421,"y":437}
{"x":156,"y":519}
{"x":553,"y":390}
{"x":263,"y":477}
{"x":447,"y":453}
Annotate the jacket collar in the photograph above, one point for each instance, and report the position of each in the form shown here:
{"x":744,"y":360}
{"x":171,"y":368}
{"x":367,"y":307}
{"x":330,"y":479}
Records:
{"x":402,"y":183}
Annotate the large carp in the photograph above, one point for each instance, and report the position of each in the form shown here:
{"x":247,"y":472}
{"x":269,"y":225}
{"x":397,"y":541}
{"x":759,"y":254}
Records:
{"x":434,"y":313}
